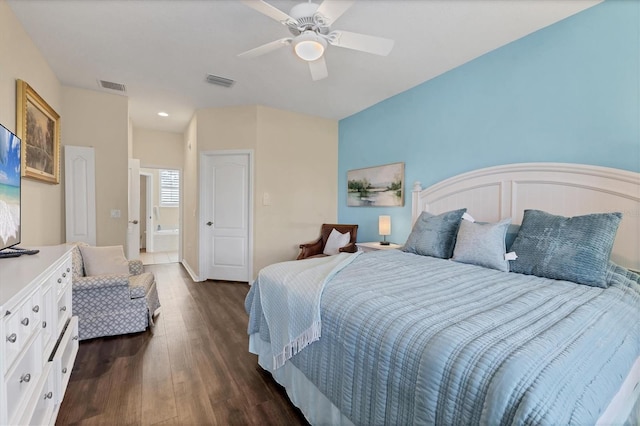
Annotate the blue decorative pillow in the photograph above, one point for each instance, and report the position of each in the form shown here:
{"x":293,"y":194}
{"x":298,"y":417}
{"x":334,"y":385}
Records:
{"x":566,"y":248}
{"x":434,"y":235}
{"x":482,"y":244}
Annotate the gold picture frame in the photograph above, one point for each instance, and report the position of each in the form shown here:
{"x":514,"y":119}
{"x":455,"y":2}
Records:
{"x":38,"y":125}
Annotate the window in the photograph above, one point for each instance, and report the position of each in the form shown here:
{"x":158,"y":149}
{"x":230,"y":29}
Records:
{"x":169,"y":188}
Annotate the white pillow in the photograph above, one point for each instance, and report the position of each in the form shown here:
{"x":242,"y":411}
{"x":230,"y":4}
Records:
{"x":335,"y":241}
{"x":108,"y":260}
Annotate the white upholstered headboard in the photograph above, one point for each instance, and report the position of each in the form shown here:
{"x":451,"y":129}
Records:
{"x":496,"y":193}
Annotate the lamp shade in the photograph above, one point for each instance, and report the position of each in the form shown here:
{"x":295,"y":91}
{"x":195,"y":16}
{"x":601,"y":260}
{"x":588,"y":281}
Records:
{"x":384,"y":225}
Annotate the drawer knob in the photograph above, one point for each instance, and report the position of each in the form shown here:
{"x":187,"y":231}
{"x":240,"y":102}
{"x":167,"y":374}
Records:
{"x":64,"y":370}
{"x":36,"y":309}
{"x":25,"y":321}
{"x":25,"y":378}
{"x":48,"y":395}
{"x":7,"y":313}
{"x":64,"y":308}
{"x":75,"y":338}
{"x":59,"y":280}
{"x":44,"y":324}
{"x":68,"y":270}
{"x":64,"y":275}
{"x":12,"y":338}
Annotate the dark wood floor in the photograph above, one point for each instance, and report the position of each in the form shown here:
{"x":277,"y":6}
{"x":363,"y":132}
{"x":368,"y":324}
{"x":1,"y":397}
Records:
{"x":194,"y":368}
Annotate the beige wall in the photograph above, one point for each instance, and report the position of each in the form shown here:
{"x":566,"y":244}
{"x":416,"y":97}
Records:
{"x":101,"y":120}
{"x":297,"y":165}
{"x":190,"y":198}
{"x":42,"y":203}
{"x":158,"y":149}
{"x":295,"y":158}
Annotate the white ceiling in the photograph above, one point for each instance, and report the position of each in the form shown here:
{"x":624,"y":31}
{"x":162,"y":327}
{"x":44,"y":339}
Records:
{"x":162,"y":50}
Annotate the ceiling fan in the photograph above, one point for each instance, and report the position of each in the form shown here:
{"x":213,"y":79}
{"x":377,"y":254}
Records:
{"x":310,"y":25}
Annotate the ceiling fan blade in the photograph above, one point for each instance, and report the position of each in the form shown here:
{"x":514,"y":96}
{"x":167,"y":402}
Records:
{"x":318,"y":69}
{"x":268,"y":10}
{"x":266,"y":48}
{"x":333,"y":9}
{"x":365,"y":43}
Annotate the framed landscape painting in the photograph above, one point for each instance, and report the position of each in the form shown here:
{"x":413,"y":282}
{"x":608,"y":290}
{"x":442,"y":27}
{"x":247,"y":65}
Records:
{"x":380,"y":186}
{"x":38,"y":125}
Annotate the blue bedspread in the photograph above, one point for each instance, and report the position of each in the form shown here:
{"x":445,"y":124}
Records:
{"x":409,"y":339}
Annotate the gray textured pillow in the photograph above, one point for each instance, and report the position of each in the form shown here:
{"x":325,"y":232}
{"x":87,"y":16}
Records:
{"x":482,"y":244}
{"x":434,"y":235}
{"x":566,"y":248}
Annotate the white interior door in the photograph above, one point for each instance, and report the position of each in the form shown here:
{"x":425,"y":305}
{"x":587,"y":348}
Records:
{"x":226,"y":213}
{"x":80,"y":194}
{"x":133,"y":225}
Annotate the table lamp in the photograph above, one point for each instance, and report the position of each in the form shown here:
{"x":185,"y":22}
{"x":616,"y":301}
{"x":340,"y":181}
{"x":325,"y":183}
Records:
{"x":384,"y":229}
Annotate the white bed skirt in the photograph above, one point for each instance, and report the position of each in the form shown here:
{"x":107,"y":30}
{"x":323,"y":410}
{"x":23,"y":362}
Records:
{"x":316,"y":407}
{"x":624,"y":409}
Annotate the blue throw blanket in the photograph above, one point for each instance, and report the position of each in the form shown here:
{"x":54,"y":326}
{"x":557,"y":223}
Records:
{"x":410,"y":339}
{"x":290,"y":297}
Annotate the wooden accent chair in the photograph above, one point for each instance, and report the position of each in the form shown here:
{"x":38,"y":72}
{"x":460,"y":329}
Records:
{"x":315,"y":248}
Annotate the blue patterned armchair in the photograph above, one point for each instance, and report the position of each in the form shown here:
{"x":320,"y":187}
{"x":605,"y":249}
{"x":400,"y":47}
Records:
{"x":108,"y":305}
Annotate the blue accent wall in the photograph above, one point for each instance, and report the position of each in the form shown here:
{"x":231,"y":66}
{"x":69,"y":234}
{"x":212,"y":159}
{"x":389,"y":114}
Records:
{"x":566,"y":93}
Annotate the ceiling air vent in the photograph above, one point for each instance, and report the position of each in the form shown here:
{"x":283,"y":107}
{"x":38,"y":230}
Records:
{"x":112,"y":86}
{"x":220,"y":81}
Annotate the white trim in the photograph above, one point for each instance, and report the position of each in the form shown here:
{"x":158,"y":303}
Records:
{"x":202,"y":259}
{"x":148,"y":200}
{"x":505,"y":191}
{"x":191,"y":272}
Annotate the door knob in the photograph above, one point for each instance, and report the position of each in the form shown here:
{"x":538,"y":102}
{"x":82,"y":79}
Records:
{"x":209,"y":223}
{"x":135,"y":222}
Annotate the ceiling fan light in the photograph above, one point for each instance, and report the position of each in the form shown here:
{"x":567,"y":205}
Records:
{"x":309,"y":46}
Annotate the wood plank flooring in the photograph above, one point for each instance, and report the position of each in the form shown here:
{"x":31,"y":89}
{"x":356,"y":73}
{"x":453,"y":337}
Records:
{"x":194,"y":368}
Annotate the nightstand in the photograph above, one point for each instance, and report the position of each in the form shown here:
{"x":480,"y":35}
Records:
{"x":373,"y":246}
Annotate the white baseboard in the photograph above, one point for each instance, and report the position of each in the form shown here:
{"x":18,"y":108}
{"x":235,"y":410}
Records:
{"x":192,"y":274}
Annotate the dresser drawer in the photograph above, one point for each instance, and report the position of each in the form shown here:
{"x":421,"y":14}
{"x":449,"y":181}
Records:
{"x":20,"y":325}
{"x":22,"y":379}
{"x":31,"y":313}
{"x":44,"y":400}
{"x":63,"y":309}
{"x":49,"y":317}
{"x":64,"y":358}
{"x":62,"y":276}
{"x":13,"y":339}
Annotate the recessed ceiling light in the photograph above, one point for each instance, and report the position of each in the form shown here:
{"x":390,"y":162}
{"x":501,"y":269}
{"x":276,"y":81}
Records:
{"x":163,"y":114}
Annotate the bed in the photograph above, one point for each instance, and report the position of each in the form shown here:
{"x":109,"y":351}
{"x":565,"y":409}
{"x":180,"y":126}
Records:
{"x":407,"y":338}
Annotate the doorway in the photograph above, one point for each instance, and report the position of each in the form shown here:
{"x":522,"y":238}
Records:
{"x":160,"y":219}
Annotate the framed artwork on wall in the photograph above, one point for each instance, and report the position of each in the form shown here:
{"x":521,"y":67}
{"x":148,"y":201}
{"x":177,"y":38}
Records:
{"x":379,"y":186}
{"x":38,"y":125}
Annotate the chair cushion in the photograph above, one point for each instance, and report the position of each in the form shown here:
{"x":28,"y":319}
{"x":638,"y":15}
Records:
{"x":105,"y":260}
{"x":76,"y":263}
{"x":139,"y":285}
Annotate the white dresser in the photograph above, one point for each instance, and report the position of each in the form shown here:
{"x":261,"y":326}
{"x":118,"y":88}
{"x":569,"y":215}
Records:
{"x":38,"y":335}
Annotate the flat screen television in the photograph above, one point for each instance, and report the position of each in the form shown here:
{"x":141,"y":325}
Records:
{"x":10,"y":198}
